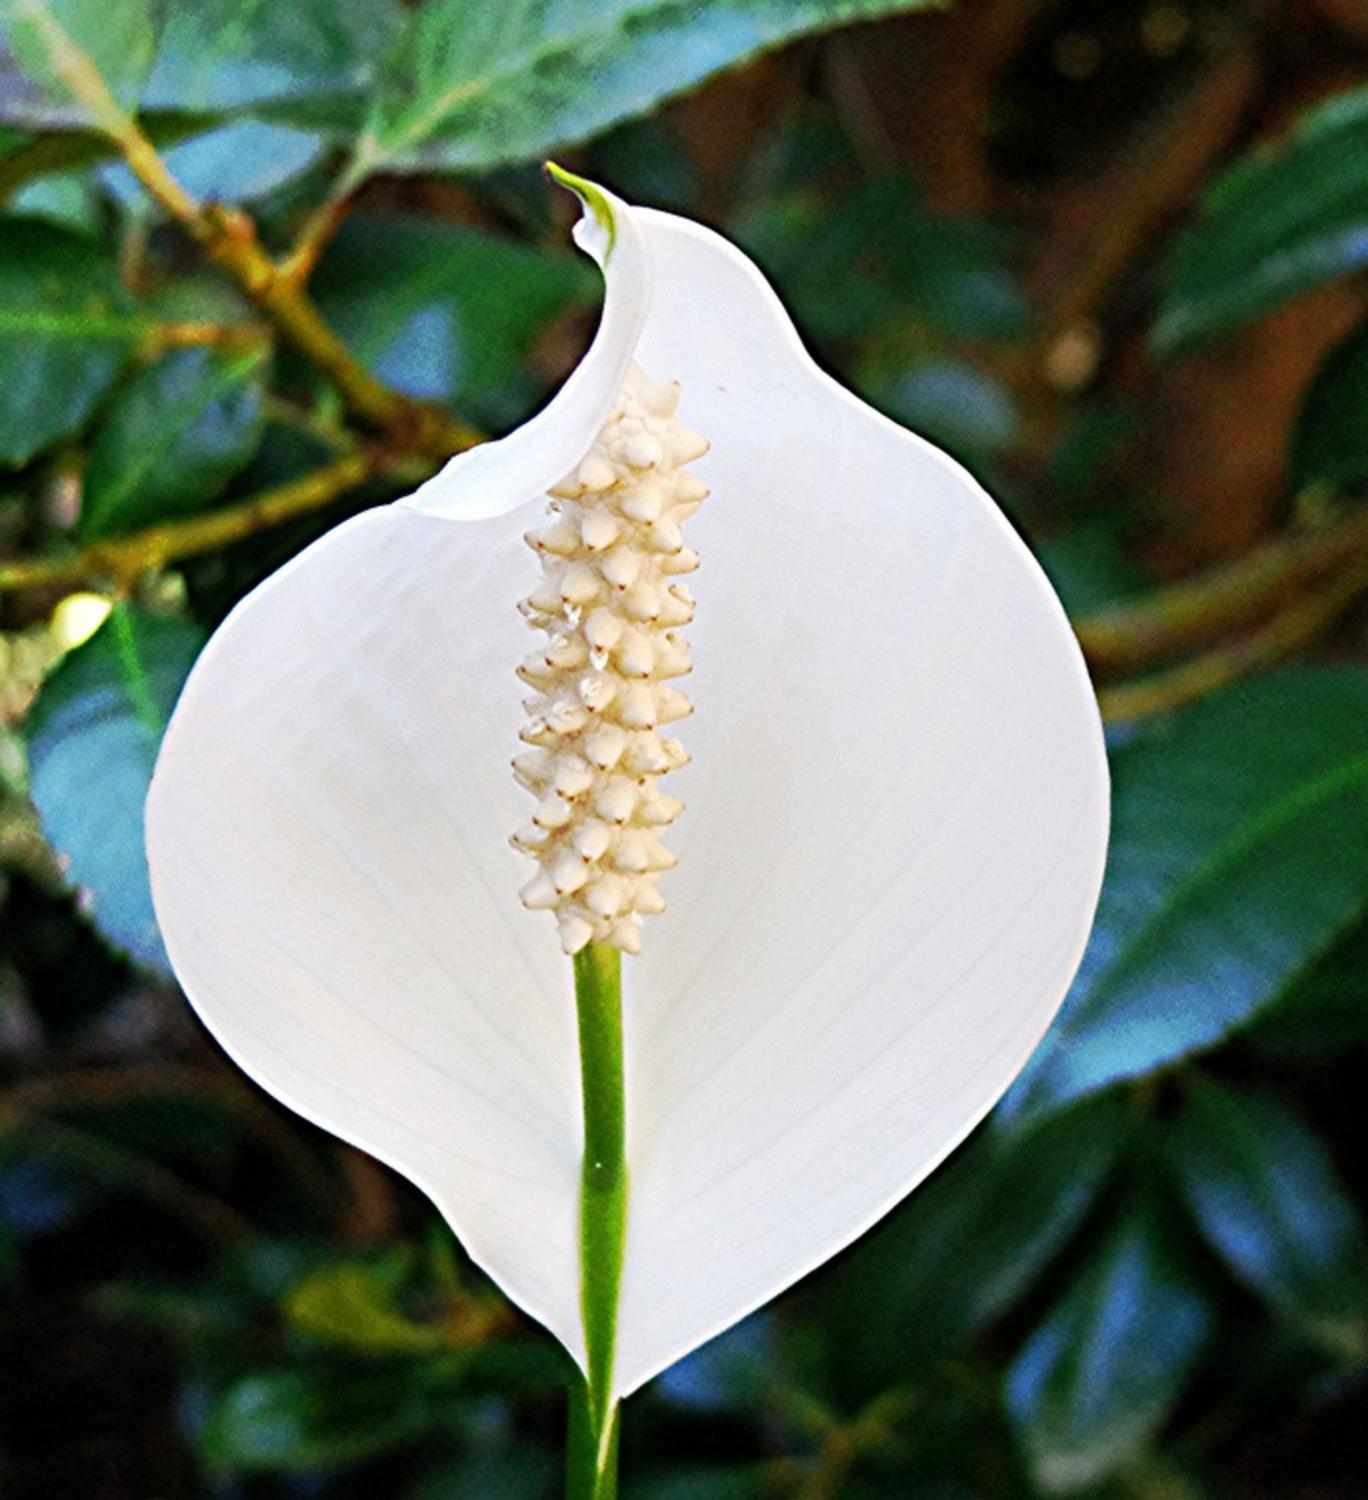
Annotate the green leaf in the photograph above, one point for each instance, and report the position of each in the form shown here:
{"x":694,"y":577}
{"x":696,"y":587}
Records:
{"x":318,"y":1418}
{"x":1330,"y":442}
{"x":1237,"y":859}
{"x":732,"y":1372}
{"x":1326,"y":1012}
{"x":173,"y":439}
{"x":1281,"y":221}
{"x":66,"y":327}
{"x":963,"y":408}
{"x":50,"y":37}
{"x":227,"y":54}
{"x":1103,"y":1370}
{"x":236,"y":163}
{"x":476,"y":86}
{"x":1268,"y":1198}
{"x":966,"y":1246}
{"x":443,"y":311}
{"x":525,"y":1475}
{"x":92,"y":740}
{"x":707,"y":1482}
{"x":854,"y":264}
{"x":67,"y":199}
{"x":355,"y":1305}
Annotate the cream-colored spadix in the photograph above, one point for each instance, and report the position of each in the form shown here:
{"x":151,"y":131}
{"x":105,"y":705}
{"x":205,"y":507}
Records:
{"x":896,"y":818}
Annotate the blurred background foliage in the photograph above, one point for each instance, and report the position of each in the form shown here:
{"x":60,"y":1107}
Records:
{"x":264,"y":264}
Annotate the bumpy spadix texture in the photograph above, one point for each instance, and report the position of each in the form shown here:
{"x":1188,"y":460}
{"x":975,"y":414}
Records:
{"x":897,"y":813}
{"x":611,"y":603}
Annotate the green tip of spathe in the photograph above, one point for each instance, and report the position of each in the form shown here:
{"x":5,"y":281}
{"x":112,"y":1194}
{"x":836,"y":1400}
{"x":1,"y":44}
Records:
{"x":592,"y":196}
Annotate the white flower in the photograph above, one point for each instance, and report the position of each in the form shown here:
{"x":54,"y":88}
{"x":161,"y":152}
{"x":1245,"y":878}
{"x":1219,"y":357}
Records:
{"x":897,"y":809}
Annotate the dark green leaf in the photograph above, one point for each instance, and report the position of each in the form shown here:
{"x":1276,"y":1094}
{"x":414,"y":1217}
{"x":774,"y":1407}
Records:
{"x":1268,"y":1198}
{"x":1098,"y":1377}
{"x":1237,"y":858}
{"x":1326,"y":1012}
{"x":647,"y":162}
{"x":1281,"y":221}
{"x":119,"y":40}
{"x":1330,"y":442}
{"x":703,"y":1483}
{"x":872,"y":258}
{"x":92,"y":737}
{"x":440,"y":310}
{"x":74,"y":146}
{"x":222,"y":54}
{"x":1091,"y":564}
{"x":319,"y":1418}
{"x":476,"y":86}
{"x":525,"y":1475}
{"x":66,"y":326}
{"x":173,"y":439}
{"x":966,"y":1246}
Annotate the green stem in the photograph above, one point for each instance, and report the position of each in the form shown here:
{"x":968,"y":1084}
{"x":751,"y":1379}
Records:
{"x":592,"y":1450}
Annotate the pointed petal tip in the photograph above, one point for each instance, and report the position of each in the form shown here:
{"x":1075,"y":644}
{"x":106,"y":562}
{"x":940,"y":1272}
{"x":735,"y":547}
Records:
{"x":599,"y":205}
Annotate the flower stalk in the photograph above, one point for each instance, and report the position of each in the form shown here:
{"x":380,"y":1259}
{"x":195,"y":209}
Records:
{"x":592,"y":1452}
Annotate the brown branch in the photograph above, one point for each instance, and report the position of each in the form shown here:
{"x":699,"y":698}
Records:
{"x":1127,"y":636}
{"x":202,"y":333}
{"x":122,"y":560}
{"x":1287,"y":632}
{"x":314,"y":236}
{"x":228,"y":237}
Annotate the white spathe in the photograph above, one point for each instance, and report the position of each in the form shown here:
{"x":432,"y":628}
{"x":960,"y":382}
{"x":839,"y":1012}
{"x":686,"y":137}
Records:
{"x":897,"y":816}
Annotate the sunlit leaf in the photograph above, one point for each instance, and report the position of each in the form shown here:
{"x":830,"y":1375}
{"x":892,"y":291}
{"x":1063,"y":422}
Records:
{"x":220,"y":54}
{"x":118,"y":40}
{"x":92,"y":738}
{"x":474,"y":86}
{"x":235,"y":163}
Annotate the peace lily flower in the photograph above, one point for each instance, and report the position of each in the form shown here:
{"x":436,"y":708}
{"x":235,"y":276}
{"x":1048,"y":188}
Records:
{"x":896,"y":817}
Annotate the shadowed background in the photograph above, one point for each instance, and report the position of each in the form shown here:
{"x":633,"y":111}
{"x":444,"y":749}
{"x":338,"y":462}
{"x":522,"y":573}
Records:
{"x":263,"y":265}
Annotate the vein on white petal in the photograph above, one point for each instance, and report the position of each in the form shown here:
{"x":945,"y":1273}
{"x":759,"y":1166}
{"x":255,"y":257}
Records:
{"x":894,"y":838}
{"x":495,"y":478}
{"x":895,"y":830}
{"x":391,"y":993}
